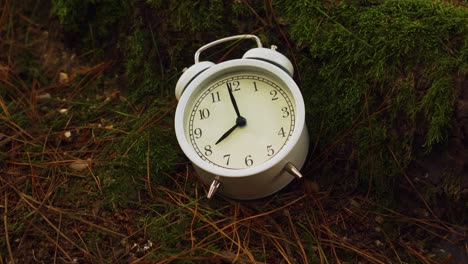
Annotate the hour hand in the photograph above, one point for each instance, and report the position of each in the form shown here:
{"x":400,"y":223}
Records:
{"x":240,"y":122}
{"x":225,"y":135}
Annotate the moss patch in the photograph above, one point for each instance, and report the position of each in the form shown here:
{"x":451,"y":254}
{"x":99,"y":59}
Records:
{"x":385,"y":70}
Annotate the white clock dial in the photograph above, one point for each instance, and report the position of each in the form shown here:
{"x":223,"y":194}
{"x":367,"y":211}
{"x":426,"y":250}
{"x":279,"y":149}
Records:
{"x":243,"y":138}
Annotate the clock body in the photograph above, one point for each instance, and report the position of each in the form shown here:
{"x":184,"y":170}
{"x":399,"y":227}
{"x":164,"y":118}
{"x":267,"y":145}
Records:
{"x":248,"y":159}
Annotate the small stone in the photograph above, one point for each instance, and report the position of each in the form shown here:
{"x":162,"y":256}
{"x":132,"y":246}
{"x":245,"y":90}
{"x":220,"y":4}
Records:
{"x":67,"y":134}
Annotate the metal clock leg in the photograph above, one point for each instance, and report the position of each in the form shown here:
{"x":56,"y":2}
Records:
{"x":213,"y":187}
{"x":289,"y":167}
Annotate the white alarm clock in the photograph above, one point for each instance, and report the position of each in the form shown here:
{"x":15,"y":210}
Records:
{"x":242,"y":122}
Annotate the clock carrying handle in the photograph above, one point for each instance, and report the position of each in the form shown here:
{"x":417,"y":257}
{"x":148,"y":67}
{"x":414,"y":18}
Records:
{"x":216,"y":42}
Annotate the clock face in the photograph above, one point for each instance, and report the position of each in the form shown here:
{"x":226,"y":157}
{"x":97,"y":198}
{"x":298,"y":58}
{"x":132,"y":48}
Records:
{"x":240,"y":120}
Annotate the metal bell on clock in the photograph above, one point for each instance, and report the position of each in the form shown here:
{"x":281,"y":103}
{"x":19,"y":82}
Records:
{"x":272,"y":56}
{"x":190,"y":74}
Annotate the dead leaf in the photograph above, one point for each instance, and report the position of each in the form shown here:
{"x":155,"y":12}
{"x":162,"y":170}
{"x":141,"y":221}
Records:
{"x":79,"y":164}
{"x":63,"y":78}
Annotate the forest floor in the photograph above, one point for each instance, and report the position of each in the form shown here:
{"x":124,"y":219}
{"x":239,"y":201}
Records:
{"x":63,"y":122}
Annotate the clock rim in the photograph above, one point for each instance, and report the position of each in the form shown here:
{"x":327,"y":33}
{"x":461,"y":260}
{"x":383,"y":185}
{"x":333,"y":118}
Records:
{"x":249,"y":66}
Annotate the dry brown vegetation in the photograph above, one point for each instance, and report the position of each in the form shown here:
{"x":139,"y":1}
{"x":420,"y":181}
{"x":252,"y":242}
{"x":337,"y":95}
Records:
{"x":71,"y":190}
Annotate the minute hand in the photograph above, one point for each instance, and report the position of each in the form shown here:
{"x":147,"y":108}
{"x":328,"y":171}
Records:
{"x":233,"y":101}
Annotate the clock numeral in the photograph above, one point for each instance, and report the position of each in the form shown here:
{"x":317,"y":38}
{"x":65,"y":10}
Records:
{"x":208,"y":150}
{"x":285,"y":112}
{"x":198,"y":133}
{"x":255,"y":86}
{"x":204,"y":113}
{"x":234,"y":86}
{"x":215,"y":97}
{"x":227,"y":157}
{"x":274,"y":93}
{"x":248,"y":160}
{"x":281,"y":132}
{"x":270,"y":151}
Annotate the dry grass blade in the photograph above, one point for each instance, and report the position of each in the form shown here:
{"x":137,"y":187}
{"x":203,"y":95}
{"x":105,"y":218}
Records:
{"x":4,"y":17}
{"x":283,"y":252}
{"x":5,"y":110}
{"x":90,"y":75}
{"x":54,"y":241}
{"x":419,"y":255}
{"x":96,"y":179}
{"x":411,"y":183}
{"x":148,"y":171}
{"x":298,"y":239}
{"x":221,"y":230}
{"x":231,"y":225}
{"x":389,"y":241}
{"x":5,"y":225}
{"x":37,"y":209}
{"x":315,"y":233}
{"x":30,"y":201}
{"x":157,"y":117}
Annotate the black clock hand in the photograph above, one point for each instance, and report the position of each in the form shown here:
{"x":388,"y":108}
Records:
{"x":233,"y":100}
{"x":226,"y":134}
{"x":240,"y":122}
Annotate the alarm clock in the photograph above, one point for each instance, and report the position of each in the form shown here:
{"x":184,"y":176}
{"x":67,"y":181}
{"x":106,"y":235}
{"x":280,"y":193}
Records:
{"x":241,"y":122}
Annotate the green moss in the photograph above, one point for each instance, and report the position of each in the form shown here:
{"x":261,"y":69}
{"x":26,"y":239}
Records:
{"x":193,"y":16}
{"x":147,"y":153}
{"x":147,"y":77}
{"x":168,"y":229}
{"x":89,"y":23}
{"x":385,"y":70}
